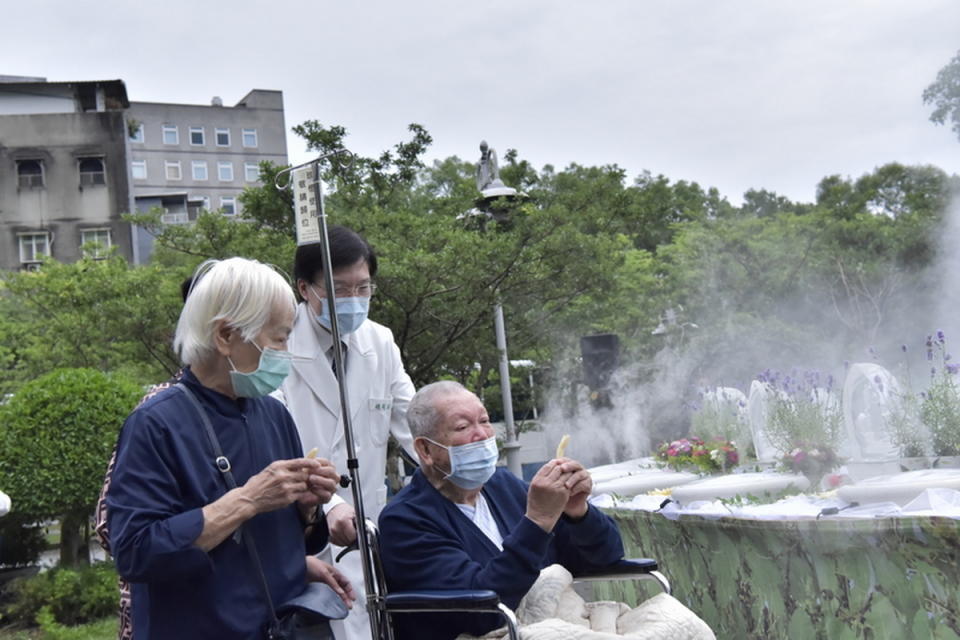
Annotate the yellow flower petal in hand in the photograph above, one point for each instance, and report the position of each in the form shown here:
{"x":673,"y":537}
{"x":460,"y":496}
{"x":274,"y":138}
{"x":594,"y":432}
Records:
{"x":562,"y":447}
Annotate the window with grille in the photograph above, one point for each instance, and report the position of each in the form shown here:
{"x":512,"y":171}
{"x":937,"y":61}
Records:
{"x":30,"y":174}
{"x":91,"y":172}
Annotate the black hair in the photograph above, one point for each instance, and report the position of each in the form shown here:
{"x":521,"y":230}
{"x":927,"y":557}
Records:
{"x":185,"y":287}
{"x":347,"y":247}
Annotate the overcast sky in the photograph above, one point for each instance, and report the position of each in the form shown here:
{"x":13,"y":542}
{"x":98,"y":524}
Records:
{"x":737,"y":95}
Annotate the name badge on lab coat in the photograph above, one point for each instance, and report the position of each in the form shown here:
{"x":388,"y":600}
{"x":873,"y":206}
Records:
{"x":385,"y":404}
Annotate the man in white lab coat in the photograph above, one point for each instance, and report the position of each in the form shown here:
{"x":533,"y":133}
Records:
{"x":379,"y":390}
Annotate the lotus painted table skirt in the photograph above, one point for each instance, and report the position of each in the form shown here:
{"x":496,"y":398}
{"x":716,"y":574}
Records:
{"x":884,"y":578}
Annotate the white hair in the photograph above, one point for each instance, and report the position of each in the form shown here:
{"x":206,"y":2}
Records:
{"x":422,"y":411}
{"x":241,"y":291}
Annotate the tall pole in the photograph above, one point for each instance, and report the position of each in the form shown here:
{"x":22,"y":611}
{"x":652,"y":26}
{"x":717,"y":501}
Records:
{"x":512,"y":445}
{"x":353,"y":465}
{"x":492,"y":188}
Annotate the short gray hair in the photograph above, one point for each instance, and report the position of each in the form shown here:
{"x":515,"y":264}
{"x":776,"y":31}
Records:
{"x":241,"y":291}
{"x":422,"y":411}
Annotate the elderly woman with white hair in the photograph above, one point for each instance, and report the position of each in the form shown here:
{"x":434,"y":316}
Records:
{"x":175,"y":522}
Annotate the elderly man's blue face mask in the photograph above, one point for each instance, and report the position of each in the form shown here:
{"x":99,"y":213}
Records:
{"x":471,"y":465}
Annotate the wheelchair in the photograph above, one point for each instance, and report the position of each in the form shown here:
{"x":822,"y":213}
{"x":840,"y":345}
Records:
{"x":382,"y":605}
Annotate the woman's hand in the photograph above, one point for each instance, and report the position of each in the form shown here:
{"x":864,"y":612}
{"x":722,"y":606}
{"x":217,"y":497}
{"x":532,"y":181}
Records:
{"x":310,"y":481}
{"x":320,"y":571}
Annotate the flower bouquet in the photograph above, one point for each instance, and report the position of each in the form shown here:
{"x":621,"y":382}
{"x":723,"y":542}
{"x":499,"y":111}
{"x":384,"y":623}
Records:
{"x":812,"y":460}
{"x":714,"y":456}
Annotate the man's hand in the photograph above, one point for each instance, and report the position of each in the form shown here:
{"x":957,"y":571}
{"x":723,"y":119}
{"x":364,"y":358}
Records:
{"x":320,"y":571}
{"x":548,"y":495}
{"x":341,"y":522}
{"x":579,"y":483}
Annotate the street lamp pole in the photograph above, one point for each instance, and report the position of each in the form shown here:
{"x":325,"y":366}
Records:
{"x":491,"y":189}
{"x":512,"y":444}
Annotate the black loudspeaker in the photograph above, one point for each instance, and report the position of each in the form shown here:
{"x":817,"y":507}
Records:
{"x":601,"y":357}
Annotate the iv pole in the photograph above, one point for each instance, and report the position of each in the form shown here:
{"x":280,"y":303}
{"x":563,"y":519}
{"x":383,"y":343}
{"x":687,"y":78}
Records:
{"x":352,"y":478}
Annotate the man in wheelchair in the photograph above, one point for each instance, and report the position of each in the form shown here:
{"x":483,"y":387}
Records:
{"x":463,"y":523}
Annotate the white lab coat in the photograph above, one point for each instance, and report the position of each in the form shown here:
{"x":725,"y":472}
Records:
{"x":379,"y":391}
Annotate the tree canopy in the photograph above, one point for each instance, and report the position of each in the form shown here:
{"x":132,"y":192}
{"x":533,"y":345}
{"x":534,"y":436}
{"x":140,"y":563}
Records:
{"x":944,"y":95}
{"x":586,"y":250}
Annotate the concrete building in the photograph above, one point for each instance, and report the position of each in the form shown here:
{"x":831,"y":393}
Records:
{"x":74,"y":156}
{"x":64,"y":179}
{"x":188,"y":157}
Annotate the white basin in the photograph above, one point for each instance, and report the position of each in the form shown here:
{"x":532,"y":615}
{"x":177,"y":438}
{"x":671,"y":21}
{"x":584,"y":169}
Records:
{"x":642,"y":481}
{"x":742,"y":484}
{"x":900,"y":488}
{"x":607,"y":472}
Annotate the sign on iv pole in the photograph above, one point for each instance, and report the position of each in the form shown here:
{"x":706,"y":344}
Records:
{"x":305,"y":205}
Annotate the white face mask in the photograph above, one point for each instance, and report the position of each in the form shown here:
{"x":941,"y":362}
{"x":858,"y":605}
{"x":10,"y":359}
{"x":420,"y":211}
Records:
{"x":351,"y":312}
{"x":471,"y":465}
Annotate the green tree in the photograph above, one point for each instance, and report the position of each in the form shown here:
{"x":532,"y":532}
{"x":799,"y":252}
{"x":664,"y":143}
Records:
{"x":944,"y":95}
{"x":440,"y":273}
{"x":56,"y":434}
{"x":105,"y":314}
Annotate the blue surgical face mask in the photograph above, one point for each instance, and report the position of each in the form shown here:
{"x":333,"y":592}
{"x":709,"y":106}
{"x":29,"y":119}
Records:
{"x":351,"y":312}
{"x":272,"y":370}
{"x":471,"y":465}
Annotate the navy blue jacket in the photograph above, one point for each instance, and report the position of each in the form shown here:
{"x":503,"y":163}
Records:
{"x":164,"y":476}
{"x":428,"y":543}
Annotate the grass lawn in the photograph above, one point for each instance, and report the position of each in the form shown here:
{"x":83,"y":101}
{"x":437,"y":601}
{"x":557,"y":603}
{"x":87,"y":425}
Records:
{"x":105,"y":629}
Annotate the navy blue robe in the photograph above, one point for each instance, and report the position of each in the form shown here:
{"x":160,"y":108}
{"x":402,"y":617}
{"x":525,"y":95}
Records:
{"x":164,"y":476}
{"x":428,"y":543}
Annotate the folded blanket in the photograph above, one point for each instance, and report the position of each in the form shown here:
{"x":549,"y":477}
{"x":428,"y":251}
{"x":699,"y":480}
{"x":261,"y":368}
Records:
{"x":552,"y":610}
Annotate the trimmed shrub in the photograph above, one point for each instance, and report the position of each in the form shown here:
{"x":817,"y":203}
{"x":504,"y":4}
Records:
{"x":70,"y":596}
{"x":56,"y":434}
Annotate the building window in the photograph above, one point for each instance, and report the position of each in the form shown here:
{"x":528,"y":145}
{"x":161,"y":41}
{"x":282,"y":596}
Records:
{"x":173,"y":170}
{"x":199,"y":169}
{"x":251,"y":171}
{"x":196,"y":136}
{"x":30,"y":174}
{"x":250,"y":137}
{"x":223,"y":137}
{"x":138,"y":169}
{"x":225,"y":171}
{"x":171,"y":135}
{"x":95,"y":242}
{"x":228,"y":205}
{"x":138,"y":134}
{"x":91,"y":172}
{"x":33,"y":246}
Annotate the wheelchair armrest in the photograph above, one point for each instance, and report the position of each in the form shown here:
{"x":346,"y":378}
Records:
{"x":625,"y":568}
{"x":429,"y":600}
